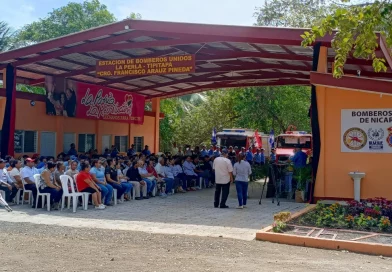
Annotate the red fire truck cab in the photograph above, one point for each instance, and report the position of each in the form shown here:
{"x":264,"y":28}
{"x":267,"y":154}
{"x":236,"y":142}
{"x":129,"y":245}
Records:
{"x":285,"y":144}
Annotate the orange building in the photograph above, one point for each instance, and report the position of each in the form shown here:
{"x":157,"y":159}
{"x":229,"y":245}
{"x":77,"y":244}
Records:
{"x":333,"y":96}
{"x":218,"y":57}
{"x":51,"y":135}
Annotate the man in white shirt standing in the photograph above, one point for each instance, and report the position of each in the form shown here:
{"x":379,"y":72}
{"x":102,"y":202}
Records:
{"x":223,"y":177}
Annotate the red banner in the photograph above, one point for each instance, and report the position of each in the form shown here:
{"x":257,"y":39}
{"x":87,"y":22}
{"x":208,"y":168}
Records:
{"x":83,"y":100}
{"x":97,"y":102}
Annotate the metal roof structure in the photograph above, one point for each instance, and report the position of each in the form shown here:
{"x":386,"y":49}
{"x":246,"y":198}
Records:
{"x":226,"y":56}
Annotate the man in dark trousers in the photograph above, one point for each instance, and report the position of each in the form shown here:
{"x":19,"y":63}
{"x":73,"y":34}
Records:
{"x":223,"y":177}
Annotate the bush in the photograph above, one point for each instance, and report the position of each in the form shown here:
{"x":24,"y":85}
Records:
{"x":279,"y":226}
{"x":370,"y":215}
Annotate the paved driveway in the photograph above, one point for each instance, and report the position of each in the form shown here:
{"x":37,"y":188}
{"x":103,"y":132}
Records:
{"x":188,"y":214}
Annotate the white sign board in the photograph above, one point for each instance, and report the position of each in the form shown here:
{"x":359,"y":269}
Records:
{"x":366,"y":130}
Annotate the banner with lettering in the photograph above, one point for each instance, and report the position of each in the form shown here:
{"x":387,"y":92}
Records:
{"x":82,"y":100}
{"x":366,"y":130}
{"x":181,"y":64}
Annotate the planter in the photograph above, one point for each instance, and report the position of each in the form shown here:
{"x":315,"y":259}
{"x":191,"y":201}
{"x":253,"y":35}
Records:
{"x":299,"y":196}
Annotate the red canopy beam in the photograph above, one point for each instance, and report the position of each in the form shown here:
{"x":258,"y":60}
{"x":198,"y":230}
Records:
{"x":73,"y":49}
{"x":66,"y":40}
{"x":208,"y":87}
{"x":265,"y":75}
{"x":266,"y":35}
{"x":385,"y":50}
{"x":106,"y":44}
{"x":244,"y":66}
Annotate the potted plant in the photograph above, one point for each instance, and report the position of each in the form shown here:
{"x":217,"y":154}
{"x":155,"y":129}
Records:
{"x":302,"y":175}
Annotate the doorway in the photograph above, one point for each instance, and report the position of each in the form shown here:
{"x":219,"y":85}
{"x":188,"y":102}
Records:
{"x":48,"y":144}
{"x":106,"y":142}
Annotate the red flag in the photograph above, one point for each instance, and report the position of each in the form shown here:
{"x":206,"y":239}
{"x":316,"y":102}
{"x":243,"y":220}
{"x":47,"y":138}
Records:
{"x":258,"y":143}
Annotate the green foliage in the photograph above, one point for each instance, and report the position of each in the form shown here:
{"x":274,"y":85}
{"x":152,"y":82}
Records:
{"x":384,"y":223}
{"x":5,"y":36}
{"x":30,"y":89}
{"x":355,"y":27}
{"x":342,"y":216}
{"x":190,"y":119}
{"x":282,"y":216}
{"x":302,"y":175}
{"x":259,"y":172}
{"x":286,"y":13}
{"x":69,"y":19}
{"x":135,"y":16}
{"x":279,"y":226}
{"x":267,"y":108}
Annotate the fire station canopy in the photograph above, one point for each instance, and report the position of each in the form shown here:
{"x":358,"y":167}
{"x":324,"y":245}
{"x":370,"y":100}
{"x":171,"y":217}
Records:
{"x":226,"y":56}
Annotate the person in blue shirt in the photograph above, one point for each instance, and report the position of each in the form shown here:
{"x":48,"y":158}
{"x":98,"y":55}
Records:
{"x":41,"y":164}
{"x":131,"y":151}
{"x":211,"y":151}
{"x":217,"y":152}
{"x":249,"y":156}
{"x":204,"y":152}
{"x":259,"y":157}
{"x":299,"y":159}
{"x":273,"y":155}
{"x":114,"y":152}
{"x":146,"y":151}
{"x":106,"y":153}
{"x":72,"y":150}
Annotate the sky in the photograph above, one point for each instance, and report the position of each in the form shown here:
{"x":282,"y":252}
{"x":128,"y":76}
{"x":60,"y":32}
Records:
{"x":227,"y":12}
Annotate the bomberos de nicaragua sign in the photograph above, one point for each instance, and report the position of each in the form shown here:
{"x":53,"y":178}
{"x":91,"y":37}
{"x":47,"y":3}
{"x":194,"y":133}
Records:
{"x":366,"y":130}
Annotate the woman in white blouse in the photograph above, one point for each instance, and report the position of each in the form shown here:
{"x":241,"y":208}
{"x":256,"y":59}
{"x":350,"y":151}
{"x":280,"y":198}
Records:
{"x":242,"y":171}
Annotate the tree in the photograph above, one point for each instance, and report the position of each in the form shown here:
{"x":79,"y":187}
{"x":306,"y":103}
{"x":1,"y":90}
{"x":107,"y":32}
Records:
{"x":266,"y":108}
{"x":135,"y":16}
{"x":5,"y":36}
{"x":262,"y":108}
{"x":71,"y":18}
{"x":193,"y":125}
{"x":285,"y":13}
{"x":354,"y":31}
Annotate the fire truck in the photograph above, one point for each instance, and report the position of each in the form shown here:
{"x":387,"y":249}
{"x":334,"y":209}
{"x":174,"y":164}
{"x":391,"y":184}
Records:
{"x":286,"y":142}
{"x":242,"y":138}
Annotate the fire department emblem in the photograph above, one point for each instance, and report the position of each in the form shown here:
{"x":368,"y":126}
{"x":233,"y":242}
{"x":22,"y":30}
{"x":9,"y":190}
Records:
{"x":355,"y":138}
{"x":375,"y":134}
{"x":389,"y":137}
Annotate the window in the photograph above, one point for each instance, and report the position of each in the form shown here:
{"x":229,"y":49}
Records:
{"x":69,"y":138}
{"x":139,"y":143}
{"x":121,"y":143}
{"x":25,"y":141}
{"x":86,"y":142}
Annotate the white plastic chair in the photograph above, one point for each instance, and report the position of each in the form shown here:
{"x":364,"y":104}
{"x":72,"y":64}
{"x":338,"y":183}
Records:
{"x":133,"y":192}
{"x":130,"y":196}
{"x":114,"y":196}
{"x":30,"y":195}
{"x":37,"y":179}
{"x":17,"y":197}
{"x":2,"y":193}
{"x":201,"y":179}
{"x":85,"y":194}
{"x":65,"y":180}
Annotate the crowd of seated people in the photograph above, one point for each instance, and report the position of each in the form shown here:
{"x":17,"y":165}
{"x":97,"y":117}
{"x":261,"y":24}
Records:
{"x":144,"y":174}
